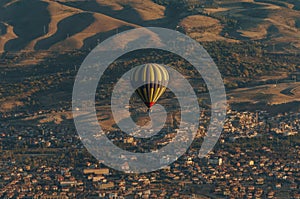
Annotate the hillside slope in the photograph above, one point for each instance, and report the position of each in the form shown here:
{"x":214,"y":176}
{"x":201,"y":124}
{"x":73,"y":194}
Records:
{"x":69,"y":24}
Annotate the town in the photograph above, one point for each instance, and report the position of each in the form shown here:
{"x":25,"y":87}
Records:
{"x":256,"y":156}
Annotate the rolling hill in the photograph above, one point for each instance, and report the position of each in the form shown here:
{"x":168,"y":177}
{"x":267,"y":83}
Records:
{"x":68,"y":24}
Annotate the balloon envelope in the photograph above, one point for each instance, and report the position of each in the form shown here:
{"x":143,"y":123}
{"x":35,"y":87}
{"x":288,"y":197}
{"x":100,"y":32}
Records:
{"x":153,"y":78}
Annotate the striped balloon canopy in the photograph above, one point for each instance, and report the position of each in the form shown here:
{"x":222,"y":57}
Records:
{"x":154,"y":79}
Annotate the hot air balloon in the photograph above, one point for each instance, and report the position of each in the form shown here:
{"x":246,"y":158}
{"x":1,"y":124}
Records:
{"x":153,"y":78}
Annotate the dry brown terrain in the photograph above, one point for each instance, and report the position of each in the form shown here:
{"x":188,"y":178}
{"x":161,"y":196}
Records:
{"x":271,"y":94}
{"x":66,"y":25}
{"x":203,"y":28}
{"x":276,"y":23}
{"x":70,"y":24}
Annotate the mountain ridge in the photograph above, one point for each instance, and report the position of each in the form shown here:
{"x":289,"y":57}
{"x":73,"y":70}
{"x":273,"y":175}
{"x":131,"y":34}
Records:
{"x":59,"y":25}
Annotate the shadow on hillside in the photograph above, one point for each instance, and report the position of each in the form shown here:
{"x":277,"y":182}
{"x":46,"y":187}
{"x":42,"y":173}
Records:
{"x":4,"y":2}
{"x":256,"y":13}
{"x":297,"y":5}
{"x":251,"y":16}
{"x":297,"y":23}
{"x":273,"y":32}
{"x":272,"y":109}
{"x":93,"y":41}
{"x":66,"y":28}
{"x":246,"y":5}
{"x":30,"y":20}
{"x":3,"y":29}
{"x":127,"y":14}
